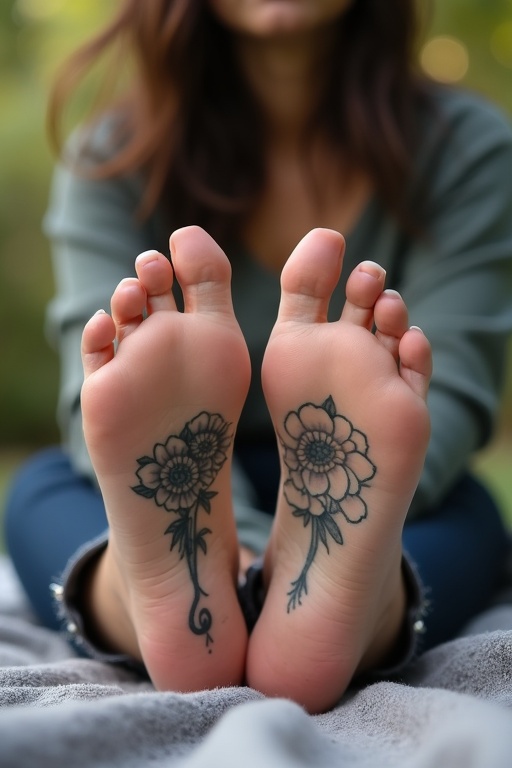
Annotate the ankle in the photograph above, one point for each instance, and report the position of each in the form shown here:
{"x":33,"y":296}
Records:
{"x":104,"y":607}
{"x":386,"y":643}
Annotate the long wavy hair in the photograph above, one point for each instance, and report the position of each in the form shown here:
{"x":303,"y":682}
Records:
{"x":190,"y":124}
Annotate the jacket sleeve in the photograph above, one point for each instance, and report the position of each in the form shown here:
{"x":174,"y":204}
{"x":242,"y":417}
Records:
{"x":458,"y":286}
{"x":95,"y":239}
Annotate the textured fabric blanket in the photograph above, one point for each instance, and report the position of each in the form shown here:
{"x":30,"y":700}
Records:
{"x":452,"y":709}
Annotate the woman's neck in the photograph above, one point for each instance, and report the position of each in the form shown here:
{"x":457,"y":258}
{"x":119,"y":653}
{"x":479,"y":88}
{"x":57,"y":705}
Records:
{"x":285,"y":76}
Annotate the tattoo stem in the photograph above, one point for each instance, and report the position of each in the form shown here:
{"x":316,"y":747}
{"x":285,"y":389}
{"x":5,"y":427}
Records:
{"x":201,"y":624}
{"x":300,"y":585}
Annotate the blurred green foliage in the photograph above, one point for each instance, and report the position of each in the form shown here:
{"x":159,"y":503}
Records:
{"x":485,"y":28}
{"x":35,"y":37}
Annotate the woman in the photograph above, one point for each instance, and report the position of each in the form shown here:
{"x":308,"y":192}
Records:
{"x":271,"y":123}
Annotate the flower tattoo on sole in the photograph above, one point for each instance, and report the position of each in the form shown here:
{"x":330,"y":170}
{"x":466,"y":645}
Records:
{"x":178,"y":477}
{"x":328,"y":466}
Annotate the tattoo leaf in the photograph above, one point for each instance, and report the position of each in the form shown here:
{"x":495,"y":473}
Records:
{"x":329,"y":406}
{"x":144,"y":460}
{"x":203,"y":499}
{"x":179,"y":532}
{"x":320,"y":525}
{"x":332,"y":528}
{"x":200,"y":538}
{"x":306,"y":517}
{"x":186,"y":434}
{"x":142,"y":490}
{"x":333,"y":507}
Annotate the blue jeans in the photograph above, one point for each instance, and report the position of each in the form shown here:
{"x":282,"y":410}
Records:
{"x":459,"y":550}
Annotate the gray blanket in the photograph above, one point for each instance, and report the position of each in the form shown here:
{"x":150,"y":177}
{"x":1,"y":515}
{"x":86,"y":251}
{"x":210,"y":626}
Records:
{"x":452,"y":709}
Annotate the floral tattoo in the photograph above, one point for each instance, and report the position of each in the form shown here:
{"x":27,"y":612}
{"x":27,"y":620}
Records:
{"x":178,"y":477}
{"x":327,"y":465}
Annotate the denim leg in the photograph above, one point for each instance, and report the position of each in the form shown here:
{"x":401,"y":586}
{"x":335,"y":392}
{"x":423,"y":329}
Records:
{"x":51,"y":511}
{"x":459,"y":551}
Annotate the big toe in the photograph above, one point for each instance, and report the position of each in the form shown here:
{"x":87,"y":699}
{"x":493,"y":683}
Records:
{"x":310,"y":276}
{"x":202,"y":270}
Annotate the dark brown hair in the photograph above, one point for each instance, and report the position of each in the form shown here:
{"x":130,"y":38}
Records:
{"x":190,"y":124}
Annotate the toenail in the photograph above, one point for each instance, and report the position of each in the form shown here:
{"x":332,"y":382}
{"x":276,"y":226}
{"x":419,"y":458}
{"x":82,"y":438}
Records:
{"x":147,"y":256}
{"x":373,"y":269}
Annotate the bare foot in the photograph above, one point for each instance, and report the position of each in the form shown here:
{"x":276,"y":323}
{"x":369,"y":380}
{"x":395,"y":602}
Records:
{"x":159,"y":420}
{"x":349,"y":410}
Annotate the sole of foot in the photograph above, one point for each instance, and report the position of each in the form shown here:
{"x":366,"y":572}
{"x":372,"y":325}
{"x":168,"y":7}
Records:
{"x":160,"y":413}
{"x":349,"y":410}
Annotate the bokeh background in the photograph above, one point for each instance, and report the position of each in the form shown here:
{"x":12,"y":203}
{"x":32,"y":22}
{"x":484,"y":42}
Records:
{"x":466,"y":41}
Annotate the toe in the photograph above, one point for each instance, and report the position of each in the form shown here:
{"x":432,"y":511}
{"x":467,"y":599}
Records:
{"x":310,"y":276}
{"x":127,"y":304}
{"x":391,"y":320}
{"x":97,"y":342}
{"x":156,"y":276}
{"x":202,"y":270}
{"x":416,"y":361}
{"x":364,"y":286}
